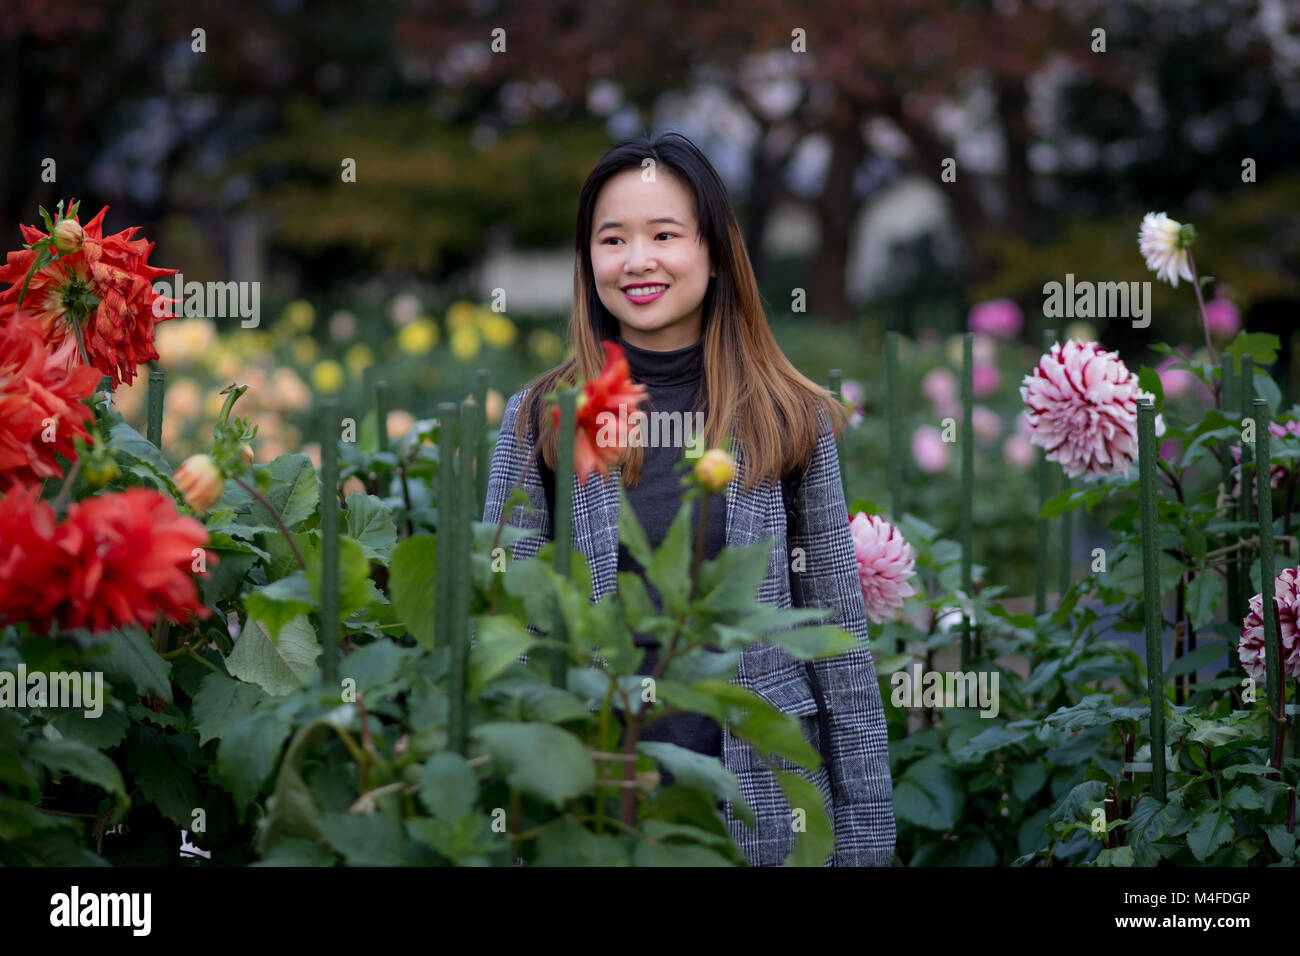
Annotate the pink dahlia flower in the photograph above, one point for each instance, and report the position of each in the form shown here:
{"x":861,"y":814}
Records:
{"x":885,"y":564}
{"x":1250,"y":649}
{"x":1082,"y":404}
{"x":939,"y":386}
{"x":929,"y":450}
{"x":1276,"y":473}
{"x":1000,"y":317}
{"x":1223,"y":318}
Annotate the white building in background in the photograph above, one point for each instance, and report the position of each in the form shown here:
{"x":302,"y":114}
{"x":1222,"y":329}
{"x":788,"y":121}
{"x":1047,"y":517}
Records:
{"x":543,"y":280}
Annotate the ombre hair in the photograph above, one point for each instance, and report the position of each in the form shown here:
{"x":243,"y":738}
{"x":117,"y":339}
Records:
{"x":748,"y":382}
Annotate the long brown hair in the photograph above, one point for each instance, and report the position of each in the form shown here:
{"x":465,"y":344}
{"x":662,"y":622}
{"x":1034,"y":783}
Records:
{"x":748,"y":381}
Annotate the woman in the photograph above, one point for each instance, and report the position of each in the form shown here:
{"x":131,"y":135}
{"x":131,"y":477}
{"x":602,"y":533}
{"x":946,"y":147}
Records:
{"x":662,"y":271}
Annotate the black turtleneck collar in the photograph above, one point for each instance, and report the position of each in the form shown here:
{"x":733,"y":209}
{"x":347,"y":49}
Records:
{"x":683,"y":366}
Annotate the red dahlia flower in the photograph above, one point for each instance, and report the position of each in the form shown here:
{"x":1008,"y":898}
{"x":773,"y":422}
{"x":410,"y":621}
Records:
{"x":598,"y":412}
{"x":119,"y":559}
{"x":41,"y":411}
{"x":107,"y":285}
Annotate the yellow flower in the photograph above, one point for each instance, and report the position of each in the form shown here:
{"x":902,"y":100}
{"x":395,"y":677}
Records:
{"x":200,"y":482}
{"x":300,"y":314}
{"x":399,"y":423}
{"x":226,"y":364}
{"x":304,"y":350}
{"x":546,"y":346}
{"x":715,"y":469}
{"x":358,"y":358}
{"x":327,"y":376}
{"x":184,"y":341}
{"x":248,"y":343}
{"x":498,"y":331}
{"x":465,"y":343}
{"x":461,"y":314}
{"x":418,"y":337}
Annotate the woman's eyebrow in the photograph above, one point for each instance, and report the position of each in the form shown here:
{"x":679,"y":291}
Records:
{"x":610,"y":224}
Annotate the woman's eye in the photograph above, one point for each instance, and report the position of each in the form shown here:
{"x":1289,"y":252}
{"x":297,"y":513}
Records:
{"x":671,"y":235}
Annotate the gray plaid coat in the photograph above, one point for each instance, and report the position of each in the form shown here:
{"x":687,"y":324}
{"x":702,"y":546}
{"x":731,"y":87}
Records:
{"x":863,"y":819}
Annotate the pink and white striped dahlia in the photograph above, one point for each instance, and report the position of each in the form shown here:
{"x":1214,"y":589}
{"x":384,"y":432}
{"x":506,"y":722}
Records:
{"x":885,"y":563}
{"x":1250,"y":649}
{"x":1082,"y":406}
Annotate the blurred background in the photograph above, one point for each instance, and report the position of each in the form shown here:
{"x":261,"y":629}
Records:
{"x":223,"y":129}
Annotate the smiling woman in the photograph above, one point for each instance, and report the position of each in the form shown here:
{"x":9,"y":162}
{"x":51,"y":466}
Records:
{"x":662,"y":272}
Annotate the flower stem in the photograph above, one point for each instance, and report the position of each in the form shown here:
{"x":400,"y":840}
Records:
{"x":293,"y":545}
{"x":1200,"y":303}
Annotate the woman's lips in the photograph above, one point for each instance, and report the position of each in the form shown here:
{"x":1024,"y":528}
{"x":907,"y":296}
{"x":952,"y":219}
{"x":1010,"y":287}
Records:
{"x":644,"y":299}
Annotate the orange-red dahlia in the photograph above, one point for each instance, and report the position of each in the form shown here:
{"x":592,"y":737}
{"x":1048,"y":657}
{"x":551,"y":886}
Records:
{"x":119,"y":559}
{"x":41,"y":411}
{"x":606,"y":403}
{"x":108,"y":282}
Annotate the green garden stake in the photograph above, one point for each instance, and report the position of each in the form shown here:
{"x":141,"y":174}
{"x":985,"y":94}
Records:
{"x":329,"y":524}
{"x":894,"y":412}
{"x":967,"y":481}
{"x":381,"y":413}
{"x":153,"y":429}
{"x":481,"y":460}
{"x":563,"y":523}
{"x":367,"y":390}
{"x":837,"y":390}
{"x":1272,"y":655}
{"x":445,"y":553}
{"x":1067,"y":529}
{"x":462,"y":567}
{"x":1147,"y":452}
{"x":1040,"y":525}
{"x":1245,"y":396}
{"x":1228,"y":400}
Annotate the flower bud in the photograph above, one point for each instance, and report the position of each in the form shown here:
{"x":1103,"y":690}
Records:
{"x":99,"y":471}
{"x":715,"y":469}
{"x":246,"y":450}
{"x":68,"y":237}
{"x":200,"y":481}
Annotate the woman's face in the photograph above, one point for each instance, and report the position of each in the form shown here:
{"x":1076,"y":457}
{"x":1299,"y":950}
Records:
{"x":645,"y":234}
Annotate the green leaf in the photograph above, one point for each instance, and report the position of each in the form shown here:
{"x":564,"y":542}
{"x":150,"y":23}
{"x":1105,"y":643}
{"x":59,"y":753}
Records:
{"x":1149,"y":381}
{"x":131,"y":659}
{"x":367,"y":839}
{"x":1263,"y":346}
{"x":565,"y":842}
{"x":281,"y":665}
{"x":280,"y":602}
{"x":160,"y":775}
{"x":731,"y":581}
{"x":810,"y":643}
{"x":221,"y":703}
{"x":930,"y":794}
{"x":630,"y":532}
{"x":130,"y":446}
{"x":1027,"y":780}
{"x":817,"y":841}
{"x":498,"y":643}
{"x":540,"y":759}
{"x":355,"y":588}
{"x":294,"y":493}
{"x":248,"y":752}
{"x":82,"y":762}
{"x":675,"y":855}
{"x":1117,"y":856}
{"x":698,"y":770}
{"x":1194,"y":660}
{"x":1211,"y":830}
{"x":669,"y":569}
{"x":448,"y":786}
{"x":411,"y":584}
{"x":376,"y":665}
{"x":368,"y":520}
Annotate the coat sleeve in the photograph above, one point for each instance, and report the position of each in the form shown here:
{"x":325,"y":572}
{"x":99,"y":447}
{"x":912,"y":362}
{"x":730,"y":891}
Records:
{"x":509,"y":457}
{"x":864,"y":815}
